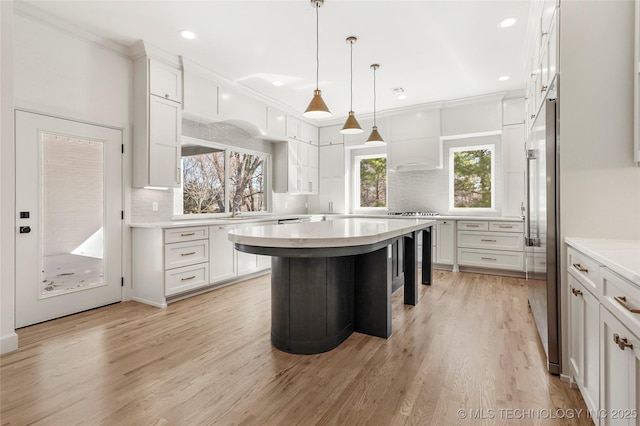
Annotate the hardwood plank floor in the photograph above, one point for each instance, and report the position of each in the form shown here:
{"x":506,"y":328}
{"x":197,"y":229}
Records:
{"x":469,"y":344}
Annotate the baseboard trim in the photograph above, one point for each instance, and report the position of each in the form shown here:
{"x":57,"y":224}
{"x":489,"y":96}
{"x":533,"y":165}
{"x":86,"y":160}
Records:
{"x":149,"y":302}
{"x":8,"y":343}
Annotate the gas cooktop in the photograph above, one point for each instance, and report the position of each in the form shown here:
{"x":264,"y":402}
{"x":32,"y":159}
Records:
{"x":413,"y":214}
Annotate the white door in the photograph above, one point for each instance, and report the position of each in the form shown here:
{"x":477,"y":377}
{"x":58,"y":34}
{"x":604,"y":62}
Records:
{"x":68,"y":217}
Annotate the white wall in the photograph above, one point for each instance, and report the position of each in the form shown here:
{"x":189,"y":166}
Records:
{"x":62,"y":74}
{"x":8,"y":337}
{"x":599,"y":183}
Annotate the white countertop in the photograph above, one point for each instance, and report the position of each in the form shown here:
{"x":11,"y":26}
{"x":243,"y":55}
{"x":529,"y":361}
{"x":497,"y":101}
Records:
{"x":621,"y":256}
{"x":275,"y":216}
{"x":332,"y":233}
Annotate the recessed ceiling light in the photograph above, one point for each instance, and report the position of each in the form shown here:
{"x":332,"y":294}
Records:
{"x":402,"y":96}
{"x":507,"y":22}
{"x":189,"y":35}
{"x":399,"y":92}
{"x":503,"y":78}
{"x":277,"y":83}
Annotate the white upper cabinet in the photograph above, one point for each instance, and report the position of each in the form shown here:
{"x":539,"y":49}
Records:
{"x":276,"y":123}
{"x":513,"y":111}
{"x":157,"y":119}
{"x":200,"y":94}
{"x":165,"y":81}
{"x":308,"y":133}
{"x":331,"y":135}
{"x":295,"y":167}
{"x":293,"y":127}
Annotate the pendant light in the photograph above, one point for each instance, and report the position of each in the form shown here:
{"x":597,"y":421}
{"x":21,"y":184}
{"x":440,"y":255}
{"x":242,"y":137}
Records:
{"x":351,"y":126}
{"x":374,"y":137}
{"x":317,"y":108}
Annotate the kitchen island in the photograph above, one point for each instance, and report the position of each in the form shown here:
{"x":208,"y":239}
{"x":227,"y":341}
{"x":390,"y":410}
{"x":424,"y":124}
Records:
{"x":331,"y":278}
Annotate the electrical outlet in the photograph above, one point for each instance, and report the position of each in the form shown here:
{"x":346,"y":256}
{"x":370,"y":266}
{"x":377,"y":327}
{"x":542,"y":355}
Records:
{"x":154,"y":206}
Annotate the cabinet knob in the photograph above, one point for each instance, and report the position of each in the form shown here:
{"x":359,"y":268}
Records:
{"x":166,"y":95}
{"x":576,"y":292}
{"x":533,"y":116}
{"x":543,"y":88}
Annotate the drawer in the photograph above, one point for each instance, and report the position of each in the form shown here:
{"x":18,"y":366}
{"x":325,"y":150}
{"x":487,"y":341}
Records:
{"x":473,"y":225}
{"x":506,"y":226}
{"x":622,"y":298}
{"x":585,"y":269}
{"x":187,"y":253}
{"x":491,"y":240}
{"x":186,"y":278}
{"x":495,"y":259}
{"x":191,"y":233}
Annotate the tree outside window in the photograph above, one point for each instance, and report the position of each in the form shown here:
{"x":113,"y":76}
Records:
{"x":372,"y":181}
{"x":471,"y":177}
{"x":208,"y":176}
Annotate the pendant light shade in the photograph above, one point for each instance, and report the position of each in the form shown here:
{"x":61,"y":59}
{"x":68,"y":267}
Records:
{"x":374,"y":138}
{"x":317,"y":108}
{"x":351,"y":126}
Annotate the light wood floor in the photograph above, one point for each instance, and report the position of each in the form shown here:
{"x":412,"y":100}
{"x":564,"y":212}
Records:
{"x":469,"y":344}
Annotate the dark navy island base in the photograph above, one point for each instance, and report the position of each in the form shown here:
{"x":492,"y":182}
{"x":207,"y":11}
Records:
{"x":319,"y":296}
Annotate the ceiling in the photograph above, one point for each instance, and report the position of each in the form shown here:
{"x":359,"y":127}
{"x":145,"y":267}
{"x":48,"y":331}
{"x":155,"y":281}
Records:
{"x":434,"y":50}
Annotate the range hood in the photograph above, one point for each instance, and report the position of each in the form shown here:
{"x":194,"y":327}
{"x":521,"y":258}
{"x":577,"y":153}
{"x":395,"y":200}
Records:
{"x":407,"y":155}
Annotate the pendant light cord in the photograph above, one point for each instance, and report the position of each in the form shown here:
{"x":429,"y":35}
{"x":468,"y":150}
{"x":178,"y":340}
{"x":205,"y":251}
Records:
{"x":351,"y":81}
{"x":374,"y":97}
{"x":317,"y":46}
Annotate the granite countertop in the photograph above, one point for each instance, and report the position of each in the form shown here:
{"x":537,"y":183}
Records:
{"x":621,"y":256}
{"x":332,"y":233}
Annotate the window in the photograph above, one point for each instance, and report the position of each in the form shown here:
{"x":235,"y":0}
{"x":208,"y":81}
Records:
{"x":471,"y":178}
{"x":220,"y":180}
{"x":371,"y":181}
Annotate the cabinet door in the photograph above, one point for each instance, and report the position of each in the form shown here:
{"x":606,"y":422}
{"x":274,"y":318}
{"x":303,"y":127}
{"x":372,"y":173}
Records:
{"x":619,"y":358}
{"x":445,"y":247}
{"x":165,"y":81}
{"x":330,"y":135}
{"x":309,"y":133}
{"x":584,"y":351}
{"x":247,"y":262}
{"x":313,"y":169}
{"x":513,"y":154}
{"x":293,"y":127}
{"x":164,"y":143}
{"x":293,"y":164}
{"x":221,"y":254}
{"x":276,"y":122}
{"x":303,"y":167}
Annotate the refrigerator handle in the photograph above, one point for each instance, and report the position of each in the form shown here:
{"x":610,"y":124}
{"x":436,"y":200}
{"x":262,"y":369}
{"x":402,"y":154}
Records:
{"x":529,"y":241}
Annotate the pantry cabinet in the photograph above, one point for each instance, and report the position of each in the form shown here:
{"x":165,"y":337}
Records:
{"x":157,"y":124}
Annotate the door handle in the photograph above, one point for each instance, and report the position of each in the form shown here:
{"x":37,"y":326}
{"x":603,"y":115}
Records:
{"x":25,"y":229}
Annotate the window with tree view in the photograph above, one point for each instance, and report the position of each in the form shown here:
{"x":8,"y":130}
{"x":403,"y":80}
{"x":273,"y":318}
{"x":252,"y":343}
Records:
{"x":471,"y":177}
{"x":372,"y":184}
{"x":218,"y":180}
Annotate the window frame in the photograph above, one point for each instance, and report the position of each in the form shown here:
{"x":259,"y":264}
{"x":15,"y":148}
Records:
{"x":356,"y":183}
{"x":178,"y":192}
{"x":452,"y":150}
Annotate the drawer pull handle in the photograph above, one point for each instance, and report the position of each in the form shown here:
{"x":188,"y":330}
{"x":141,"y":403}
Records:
{"x":188,"y":234}
{"x":188,"y":278}
{"x":576,"y":292}
{"x":580,"y":268}
{"x":488,"y":258}
{"x":188,"y":254}
{"x":622,"y":342}
{"x":505,"y":226}
{"x":487,"y":241}
{"x":623,"y":301}
{"x":473,"y":226}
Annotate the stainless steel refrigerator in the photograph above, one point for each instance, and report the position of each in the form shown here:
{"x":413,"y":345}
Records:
{"x":541,"y":227}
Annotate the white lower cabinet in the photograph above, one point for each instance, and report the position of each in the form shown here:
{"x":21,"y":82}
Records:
{"x":445,"y":242}
{"x":173,"y":262}
{"x":221,"y":254}
{"x":604,"y":348}
{"x":584,"y":341}
{"x":490,"y":244}
{"x":620,"y":381}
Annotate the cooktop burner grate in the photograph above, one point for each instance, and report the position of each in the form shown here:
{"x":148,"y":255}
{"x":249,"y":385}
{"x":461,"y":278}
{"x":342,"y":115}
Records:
{"x":413,"y":214}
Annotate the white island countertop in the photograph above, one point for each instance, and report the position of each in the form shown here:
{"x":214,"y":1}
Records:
{"x":621,"y":256}
{"x":331,"y":233}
